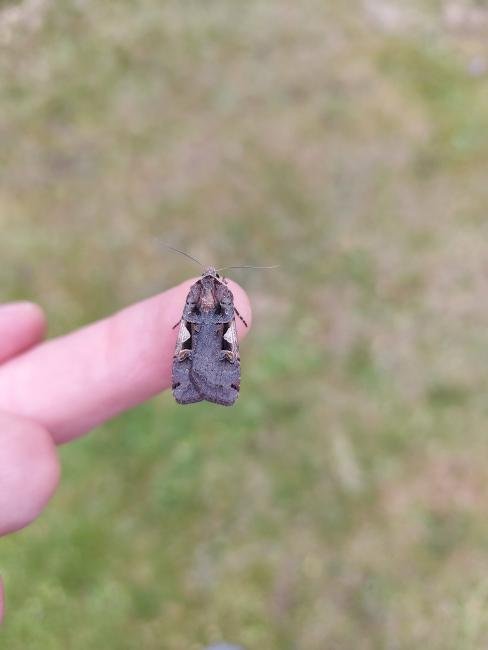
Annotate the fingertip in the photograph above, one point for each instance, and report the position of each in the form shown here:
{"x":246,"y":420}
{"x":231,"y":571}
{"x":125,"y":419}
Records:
{"x":34,"y":314}
{"x":24,"y":308}
{"x":22,"y":325}
{"x":29,"y":471}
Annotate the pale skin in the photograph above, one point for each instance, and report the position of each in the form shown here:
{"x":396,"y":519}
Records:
{"x":55,"y":391}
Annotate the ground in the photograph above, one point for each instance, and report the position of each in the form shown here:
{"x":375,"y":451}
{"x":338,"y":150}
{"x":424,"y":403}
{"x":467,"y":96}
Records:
{"x":342,"y":503}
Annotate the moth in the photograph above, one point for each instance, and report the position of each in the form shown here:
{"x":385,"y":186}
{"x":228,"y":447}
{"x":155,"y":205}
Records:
{"x":206,"y":364}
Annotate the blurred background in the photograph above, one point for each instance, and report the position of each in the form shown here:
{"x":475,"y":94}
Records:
{"x":343,"y":502}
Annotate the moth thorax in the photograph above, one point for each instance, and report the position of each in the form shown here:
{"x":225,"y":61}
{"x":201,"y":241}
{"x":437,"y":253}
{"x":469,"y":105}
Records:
{"x":207,"y":299}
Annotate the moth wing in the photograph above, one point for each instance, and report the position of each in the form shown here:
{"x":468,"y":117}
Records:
{"x":220,"y":381}
{"x":183,"y":389}
{"x":190,"y":312}
{"x":230,"y":336}
{"x":183,"y":335}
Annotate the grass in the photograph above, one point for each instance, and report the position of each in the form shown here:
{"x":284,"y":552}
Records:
{"x":342,"y":502}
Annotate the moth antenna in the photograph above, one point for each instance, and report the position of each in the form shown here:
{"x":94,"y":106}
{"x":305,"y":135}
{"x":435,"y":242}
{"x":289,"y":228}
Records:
{"x":276,"y":266}
{"x":177,"y":250}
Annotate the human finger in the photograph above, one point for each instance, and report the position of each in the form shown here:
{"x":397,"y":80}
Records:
{"x":29,"y":471}
{"x":76,"y":382}
{"x":29,"y":474}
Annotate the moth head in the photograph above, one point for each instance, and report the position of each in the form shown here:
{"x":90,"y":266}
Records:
{"x":212,"y":272}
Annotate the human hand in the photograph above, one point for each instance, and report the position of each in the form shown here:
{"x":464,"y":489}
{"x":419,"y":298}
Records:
{"x":56,"y":391}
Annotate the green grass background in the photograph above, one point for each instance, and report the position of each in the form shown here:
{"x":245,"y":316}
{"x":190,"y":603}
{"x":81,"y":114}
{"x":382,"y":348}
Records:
{"x":343,"y":503}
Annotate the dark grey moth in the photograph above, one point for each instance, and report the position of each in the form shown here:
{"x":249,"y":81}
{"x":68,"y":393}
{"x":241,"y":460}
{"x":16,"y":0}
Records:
{"x":206,"y":364}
